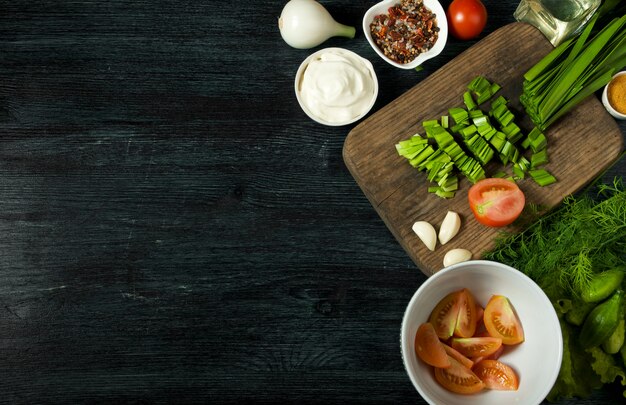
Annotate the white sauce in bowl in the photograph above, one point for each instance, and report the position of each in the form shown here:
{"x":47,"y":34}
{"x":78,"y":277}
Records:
{"x":336,"y":86}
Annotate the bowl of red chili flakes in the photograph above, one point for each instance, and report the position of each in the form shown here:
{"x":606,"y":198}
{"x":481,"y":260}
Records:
{"x":406,"y":33}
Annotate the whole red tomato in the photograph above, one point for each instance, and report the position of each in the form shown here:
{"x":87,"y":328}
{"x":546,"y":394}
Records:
{"x":466,"y":18}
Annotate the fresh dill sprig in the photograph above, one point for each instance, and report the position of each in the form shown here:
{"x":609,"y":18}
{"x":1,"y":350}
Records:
{"x":563,"y":250}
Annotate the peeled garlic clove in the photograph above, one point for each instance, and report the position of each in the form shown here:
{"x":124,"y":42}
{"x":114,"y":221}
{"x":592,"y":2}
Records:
{"x":426,"y":232}
{"x":455,"y":256}
{"x":449,"y":227}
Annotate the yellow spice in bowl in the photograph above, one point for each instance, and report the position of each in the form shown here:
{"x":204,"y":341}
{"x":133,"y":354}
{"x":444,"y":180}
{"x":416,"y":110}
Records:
{"x":616,"y":93}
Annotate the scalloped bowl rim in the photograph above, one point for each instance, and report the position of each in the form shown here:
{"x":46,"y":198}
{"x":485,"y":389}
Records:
{"x":543,"y":343}
{"x":383,"y":6}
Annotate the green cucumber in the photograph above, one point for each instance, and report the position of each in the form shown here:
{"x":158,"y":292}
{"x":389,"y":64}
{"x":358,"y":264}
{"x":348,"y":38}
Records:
{"x":603,"y":285}
{"x":615,"y":342}
{"x":602,"y":321}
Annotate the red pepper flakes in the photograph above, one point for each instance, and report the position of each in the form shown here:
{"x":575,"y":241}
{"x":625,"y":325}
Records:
{"x":409,"y":29}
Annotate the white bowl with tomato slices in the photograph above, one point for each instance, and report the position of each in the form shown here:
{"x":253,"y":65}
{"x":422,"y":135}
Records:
{"x":532,"y":349}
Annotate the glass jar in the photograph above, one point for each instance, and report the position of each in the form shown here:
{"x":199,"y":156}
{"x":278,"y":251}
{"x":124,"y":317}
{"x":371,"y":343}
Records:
{"x":558,"y":20}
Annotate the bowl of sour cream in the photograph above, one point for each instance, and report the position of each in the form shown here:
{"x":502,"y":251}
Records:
{"x":335,"y":86}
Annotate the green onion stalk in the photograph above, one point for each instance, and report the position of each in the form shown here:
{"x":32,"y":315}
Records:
{"x":576,"y":69}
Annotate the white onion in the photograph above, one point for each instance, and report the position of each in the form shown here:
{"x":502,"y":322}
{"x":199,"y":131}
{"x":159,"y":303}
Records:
{"x":305,"y":24}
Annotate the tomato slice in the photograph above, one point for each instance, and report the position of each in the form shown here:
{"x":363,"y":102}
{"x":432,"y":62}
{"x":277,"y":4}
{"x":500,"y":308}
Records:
{"x":493,"y":356}
{"x":429,"y":348}
{"x":497,"y":375}
{"x":496,"y":355}
{"x":476,"y":346}
{"x":496,"y":202}
{"x":467,"y":319}
{"x":502,"y":322}
{"x":480,"y":311}
{"x":458,"y":378}
{"x":445,"y":314}
{"x":456,"y":355}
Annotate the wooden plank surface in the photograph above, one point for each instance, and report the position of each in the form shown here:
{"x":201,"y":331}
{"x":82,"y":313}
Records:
{"x":581,"y":145}
{"x":175,"y":229}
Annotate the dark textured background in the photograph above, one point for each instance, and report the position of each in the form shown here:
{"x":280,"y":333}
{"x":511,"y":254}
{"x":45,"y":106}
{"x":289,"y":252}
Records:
{"x":173,"y":228}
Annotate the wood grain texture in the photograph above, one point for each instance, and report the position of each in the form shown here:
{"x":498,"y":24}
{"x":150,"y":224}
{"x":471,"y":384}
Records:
{"x":581,"y":145}
{"x":174,"y":229}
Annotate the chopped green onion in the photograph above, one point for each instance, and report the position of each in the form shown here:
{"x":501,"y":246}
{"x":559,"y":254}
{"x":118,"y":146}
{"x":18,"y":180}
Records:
{"x":468,"y":130}
{"x":469,"y":101}
{"x":509,"y":153}
{"x":475,"y":113}
{"x":482,"y":120}
{"x":539,"y":158}
{"x":542,"y":177}
{"x":459,"y":115}
{"x":498,"y":140}
{"x":498,"y":111}
{"x":422,"y":156}
{"x":536,"y":140}
{"x":444,"y":121}
{"x":500,"y":100}
{"x":478,"y":137}
{"x":456,"y":128}
{"x":440,"y":192}
{"x":487,"y":131}
{"x":523,"y":164}
{"x":482,"y":89}
{"x":430,"y":123}
{"x":513,"y":132}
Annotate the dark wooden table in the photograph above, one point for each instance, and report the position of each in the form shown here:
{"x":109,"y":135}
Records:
{"x":173,"y":228}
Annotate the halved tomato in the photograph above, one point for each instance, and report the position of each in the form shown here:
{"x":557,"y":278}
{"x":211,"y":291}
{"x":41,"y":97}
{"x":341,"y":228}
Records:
{"x":456,"y":355}
{"x":497,"y":375}
{"x":502,"y":322}
{"x":496,"y":202}
{"x":466,"y":321}
{"x":476,"y":346}
{"x":458,"y":378}
{"x":429,"y":348}
{"x":445,"y":314}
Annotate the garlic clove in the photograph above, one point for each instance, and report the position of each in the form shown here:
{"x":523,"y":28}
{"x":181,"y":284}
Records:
{"x":449,"y":227}
{"x":426,"y":232}
{"x":455,"y":256}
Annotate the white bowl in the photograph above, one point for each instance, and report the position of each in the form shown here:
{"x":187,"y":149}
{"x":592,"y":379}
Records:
{"x":383,"y":7}
{"x":605,"y":100}
{"x":337,"y":82}
{"x":537,"y":360}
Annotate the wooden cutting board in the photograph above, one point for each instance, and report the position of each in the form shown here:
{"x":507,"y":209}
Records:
{"x":581,"y":145}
